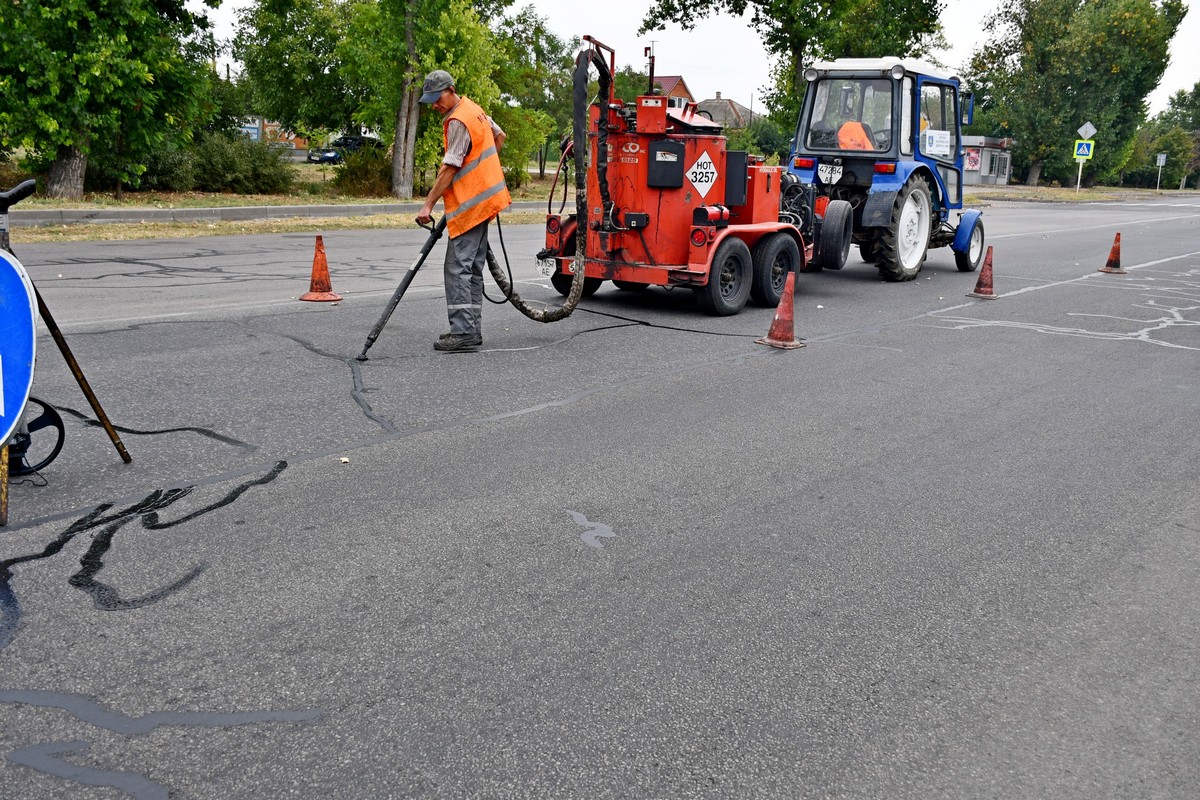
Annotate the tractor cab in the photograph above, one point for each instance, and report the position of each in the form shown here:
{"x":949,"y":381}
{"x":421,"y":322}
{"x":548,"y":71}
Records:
{"x":879,"y":141}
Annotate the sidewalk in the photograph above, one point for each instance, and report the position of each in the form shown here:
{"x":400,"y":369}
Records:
{"x":74,"y":216}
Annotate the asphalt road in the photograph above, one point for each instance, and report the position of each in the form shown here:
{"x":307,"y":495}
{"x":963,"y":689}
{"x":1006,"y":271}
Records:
{"x":950,"y":549}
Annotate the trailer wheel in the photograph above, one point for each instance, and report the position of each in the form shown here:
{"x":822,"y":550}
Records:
{"x":629,"y":286}
{"x":729,"y":279}
{"x":905,"y":243}
{"x":969,"y":261}
{"x":561,"y":281}
{"x":774,"y":257}
{"x":836,"y":232}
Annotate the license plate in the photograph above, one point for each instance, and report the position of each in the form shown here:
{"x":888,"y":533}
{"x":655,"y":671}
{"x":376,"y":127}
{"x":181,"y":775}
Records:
{"x":547,"y":266}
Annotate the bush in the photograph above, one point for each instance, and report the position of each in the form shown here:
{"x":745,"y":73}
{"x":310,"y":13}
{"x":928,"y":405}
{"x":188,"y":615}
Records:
{"x":171,"y":169}
{"x":366,"y":173}
{"x":226,"y":162}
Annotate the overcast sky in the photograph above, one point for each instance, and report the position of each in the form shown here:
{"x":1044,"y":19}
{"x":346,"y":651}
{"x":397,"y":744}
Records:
{"x":725,"y":55}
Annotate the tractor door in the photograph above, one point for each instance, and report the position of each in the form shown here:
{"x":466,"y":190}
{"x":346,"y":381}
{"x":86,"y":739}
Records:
{"x":938,"y":141}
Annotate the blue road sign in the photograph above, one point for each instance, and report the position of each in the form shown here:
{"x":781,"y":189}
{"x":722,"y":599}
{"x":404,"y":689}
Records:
{"x":1083,"y":148}
{"x":18,"y":333}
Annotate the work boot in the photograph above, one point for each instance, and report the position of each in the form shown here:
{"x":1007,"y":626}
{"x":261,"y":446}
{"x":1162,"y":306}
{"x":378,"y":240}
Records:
{"x":448,"y":335}
{"x":458,"y":342}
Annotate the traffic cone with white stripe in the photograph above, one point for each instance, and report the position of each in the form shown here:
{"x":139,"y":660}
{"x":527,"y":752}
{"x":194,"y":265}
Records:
{"x":1113,"y":266}
{"x":319,"y":288}
{"x":783,"y":329}
{"x":983,"y":286}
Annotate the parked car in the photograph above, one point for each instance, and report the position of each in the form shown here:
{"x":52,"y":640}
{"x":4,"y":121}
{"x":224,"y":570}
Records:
{"x":336,"y":151}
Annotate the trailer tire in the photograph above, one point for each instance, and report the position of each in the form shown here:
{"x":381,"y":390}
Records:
{"x":561,"y":281}
{"x":729,"y":279}
{"x":775,"y":256}
{"x":970,"y":260}
{"x":629,"y":286}
{"x":905,"y":243}
{"x":836,"y":232}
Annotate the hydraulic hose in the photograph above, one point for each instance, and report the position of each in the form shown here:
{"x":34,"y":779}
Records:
{"x":579,"y":119}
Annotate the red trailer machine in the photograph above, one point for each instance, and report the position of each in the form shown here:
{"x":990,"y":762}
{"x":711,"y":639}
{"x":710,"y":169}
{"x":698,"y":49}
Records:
{"x":668,"y":205}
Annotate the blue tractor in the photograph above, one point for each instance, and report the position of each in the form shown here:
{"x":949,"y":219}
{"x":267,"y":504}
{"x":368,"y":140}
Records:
{"x":878,"y":162}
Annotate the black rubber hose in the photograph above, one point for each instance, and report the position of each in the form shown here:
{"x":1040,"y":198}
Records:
{"x":579,"y":119}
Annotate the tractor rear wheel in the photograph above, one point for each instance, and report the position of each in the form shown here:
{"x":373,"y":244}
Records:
{"x":904,"y":244}
{"x":774,"y":257}
{"x":561,"y":281}
{"x":729,"y":279}
{"x":836,"y":232}
{"x":969,"y":261}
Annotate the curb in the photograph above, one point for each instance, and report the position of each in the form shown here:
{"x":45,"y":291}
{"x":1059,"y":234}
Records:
{"x":83,"y":216}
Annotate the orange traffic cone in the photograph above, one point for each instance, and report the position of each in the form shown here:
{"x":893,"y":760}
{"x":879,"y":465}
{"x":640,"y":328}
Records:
{"x":783,"y":330}
{"x":319,"y":288}
{"x":983,"y":287}
{"x":1114,"y":258}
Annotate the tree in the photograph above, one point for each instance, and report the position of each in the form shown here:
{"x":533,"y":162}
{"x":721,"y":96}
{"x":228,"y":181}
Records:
{"x":290,"y":56}
{"x":1183,"y":109}
{"x":799,"y":33}
{"x":117,"y":75}
{"x":1052,"y":65}
{"x":533,"y":71}
{"x":390,"y":46}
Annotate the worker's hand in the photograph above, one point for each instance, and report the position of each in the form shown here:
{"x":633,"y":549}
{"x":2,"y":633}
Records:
{"x":425,"y":215}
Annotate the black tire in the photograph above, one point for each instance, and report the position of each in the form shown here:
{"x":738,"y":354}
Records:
{"x":34,"y":450}
{"x":836,"y":232}
{"x":561,"y":281}
{"x":729,"y":280}
{"x":774,"y":257}
{"x":905,"y":243}
{"x":869,"y":250}
{"x":970,"y":260}
{"x":629,"y":286}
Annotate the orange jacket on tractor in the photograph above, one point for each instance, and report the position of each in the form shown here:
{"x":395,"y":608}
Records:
{"x":478,"y":192}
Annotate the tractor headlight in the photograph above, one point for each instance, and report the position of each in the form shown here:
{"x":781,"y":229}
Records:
{"x":897,"y":71}
{"x":810,"y":74}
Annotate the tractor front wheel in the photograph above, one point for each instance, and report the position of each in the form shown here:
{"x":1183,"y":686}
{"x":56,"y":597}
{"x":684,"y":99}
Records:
{"x":903,"y":246}
{"x":729,"y":279}
{"x":836,"y":231}
{"x":969,"y":261}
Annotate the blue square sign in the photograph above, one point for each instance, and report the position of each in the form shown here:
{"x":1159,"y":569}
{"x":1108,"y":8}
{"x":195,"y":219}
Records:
{"x":18,"y":333}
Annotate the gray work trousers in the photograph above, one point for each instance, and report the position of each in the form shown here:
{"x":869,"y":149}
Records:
{"x":466,"y":257}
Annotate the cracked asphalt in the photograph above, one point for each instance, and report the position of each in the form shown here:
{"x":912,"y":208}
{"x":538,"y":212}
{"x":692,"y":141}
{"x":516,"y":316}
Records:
{"x":950,"y":549}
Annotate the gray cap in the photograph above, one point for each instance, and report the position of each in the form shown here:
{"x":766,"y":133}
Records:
{"x":436,"y":82}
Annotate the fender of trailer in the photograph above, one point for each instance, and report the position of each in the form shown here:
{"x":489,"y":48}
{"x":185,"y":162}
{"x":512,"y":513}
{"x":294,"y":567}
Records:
{"x":750,"y":234}
{"x":966,"y":226}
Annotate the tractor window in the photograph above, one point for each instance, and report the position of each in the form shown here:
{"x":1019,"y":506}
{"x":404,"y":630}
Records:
{"x":906,"y":117}
{"x":939,"y":133}
{"x":850,"y":114}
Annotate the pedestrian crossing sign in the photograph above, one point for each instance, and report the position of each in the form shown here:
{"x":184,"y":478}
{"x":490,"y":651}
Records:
{"x":1084,"y":148}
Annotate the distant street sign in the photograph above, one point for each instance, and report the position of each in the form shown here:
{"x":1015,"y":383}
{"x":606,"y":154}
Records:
{"x":1161,"y":161}
{"x":1087,"y":131}
{"x":18,"y":320}
{"x":1084,"y":149}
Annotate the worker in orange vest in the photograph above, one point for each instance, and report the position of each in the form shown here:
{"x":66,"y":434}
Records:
{"x":470,"y":182}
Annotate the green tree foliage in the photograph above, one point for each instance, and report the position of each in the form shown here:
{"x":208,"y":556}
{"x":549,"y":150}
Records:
{"x":117,"y":77}
{"x":1183,"y":109}
{"x":533,"y":71}
{"x":289,"y":50}
{"x":1051,"y":65}
{"x":799,"y":33}
{"x":390,"y":46}
{"x":763,"y":137}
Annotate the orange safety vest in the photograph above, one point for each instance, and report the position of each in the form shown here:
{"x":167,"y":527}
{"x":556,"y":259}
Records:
{"x":853,"y":136}
{"x":477,"y":193}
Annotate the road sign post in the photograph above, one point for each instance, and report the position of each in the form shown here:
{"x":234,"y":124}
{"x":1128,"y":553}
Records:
{"x":1084,"y":148}
{"x":18,"y":337}
{"x":1161,"y":160}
